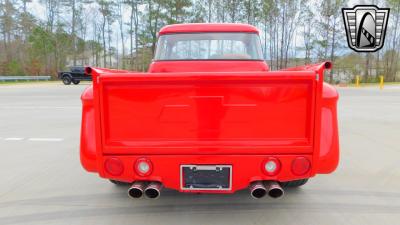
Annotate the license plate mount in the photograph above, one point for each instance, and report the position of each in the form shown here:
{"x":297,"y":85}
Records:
{"x":206,"y":177}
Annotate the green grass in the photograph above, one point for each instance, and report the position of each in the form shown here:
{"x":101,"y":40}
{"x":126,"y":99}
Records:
{"x":373,"y":84}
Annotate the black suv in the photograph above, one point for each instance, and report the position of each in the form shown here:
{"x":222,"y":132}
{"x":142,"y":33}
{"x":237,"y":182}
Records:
{"x":75,"y":75}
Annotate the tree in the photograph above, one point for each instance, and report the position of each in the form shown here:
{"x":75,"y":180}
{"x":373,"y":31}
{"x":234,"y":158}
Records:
{"x":251,"y":11}
{"x":105,"y":8}
{"x":233,"y":7}
{"x":265,"y":18}
{"x":95,"y":32}
{"x":7,"y":24}
{"x":133,"y":27}
{"x":120,"y":19}
{"x":201,"y":11}
{"x":153,"y":21}
{"x":72,"y":5}
{"x":26,"y":20}
{"x":329,"y":27}
{"x":308,"y":35}
{"x":52,"y":13}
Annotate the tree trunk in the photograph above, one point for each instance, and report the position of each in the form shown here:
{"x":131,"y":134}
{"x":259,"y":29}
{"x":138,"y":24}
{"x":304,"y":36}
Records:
{"x":209,"y":10}
{"x":109,"y":43}
{"x":131,"y":35}
{"x":121,"y":28}
{"x":392,"y":69}
{"x":366,"y":75}
{"x":333,"y":49}
{"x":282,"y":36}
{"x":103,"y":30}
{"x":73,"y":31}
{"x":136,"y":31}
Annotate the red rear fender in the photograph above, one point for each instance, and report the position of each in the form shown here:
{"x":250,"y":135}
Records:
{"x":88,"y":142}
{"x":329,"y":146}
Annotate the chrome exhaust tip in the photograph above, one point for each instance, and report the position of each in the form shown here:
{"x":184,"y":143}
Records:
{"x":257,"y":190}
{"x":274,"y":189}
{"x":152,"y":191}
{"x":136,"y":190}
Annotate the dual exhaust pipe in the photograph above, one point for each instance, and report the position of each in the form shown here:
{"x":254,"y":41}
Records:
{"x":259,"y":189}
{"x":151,"y":190}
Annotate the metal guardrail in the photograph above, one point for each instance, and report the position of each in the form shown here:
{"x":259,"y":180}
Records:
{"x":24,"y":78}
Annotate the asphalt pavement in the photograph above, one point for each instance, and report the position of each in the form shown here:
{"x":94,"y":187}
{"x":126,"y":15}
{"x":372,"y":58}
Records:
{"x":42,"y":181}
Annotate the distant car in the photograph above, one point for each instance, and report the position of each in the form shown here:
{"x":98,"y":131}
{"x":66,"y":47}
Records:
{"x":75,"y":75}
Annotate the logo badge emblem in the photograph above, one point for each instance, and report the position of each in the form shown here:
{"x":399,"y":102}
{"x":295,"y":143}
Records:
{"x":365,"y":27}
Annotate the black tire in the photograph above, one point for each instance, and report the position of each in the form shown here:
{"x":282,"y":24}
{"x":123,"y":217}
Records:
{"x":76,"y":82}
{"x":66,"y":80}
{"x":294,"y":183}
{"x":118,"y":183}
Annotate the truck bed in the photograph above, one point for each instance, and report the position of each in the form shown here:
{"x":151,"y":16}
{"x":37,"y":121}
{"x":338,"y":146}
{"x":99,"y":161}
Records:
{"x":207,"y":113}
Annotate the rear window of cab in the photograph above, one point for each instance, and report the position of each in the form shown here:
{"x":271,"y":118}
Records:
{"x":209,"y":46}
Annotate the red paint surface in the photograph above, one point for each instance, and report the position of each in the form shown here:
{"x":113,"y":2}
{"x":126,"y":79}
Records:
{"x":192,"y":112}
{"x":207,"y":66}
{"x":207,"y":27}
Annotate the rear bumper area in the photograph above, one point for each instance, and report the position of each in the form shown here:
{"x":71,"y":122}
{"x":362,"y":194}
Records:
{"x":167,"y":169}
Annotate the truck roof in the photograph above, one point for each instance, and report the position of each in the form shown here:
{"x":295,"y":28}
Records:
{"x":208,"y":27}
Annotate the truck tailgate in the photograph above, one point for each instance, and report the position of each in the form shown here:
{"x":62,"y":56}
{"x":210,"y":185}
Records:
{"x":206,"y":113}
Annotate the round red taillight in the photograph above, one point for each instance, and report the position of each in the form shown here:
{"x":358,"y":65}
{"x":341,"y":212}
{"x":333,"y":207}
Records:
{"x":300,"y":166}
{"x":114,"y":166}
{"x":143,"y":167}
{"x":271,"y":166}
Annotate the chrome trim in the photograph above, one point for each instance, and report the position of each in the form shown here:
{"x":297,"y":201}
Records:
{"x":206,"y":167}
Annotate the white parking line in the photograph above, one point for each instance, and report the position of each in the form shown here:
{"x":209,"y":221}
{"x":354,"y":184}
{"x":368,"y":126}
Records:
{"x":40,"y":107}
{"x":32,"y":139}
{"x":45,"y":139}
{"x":14,"y":139}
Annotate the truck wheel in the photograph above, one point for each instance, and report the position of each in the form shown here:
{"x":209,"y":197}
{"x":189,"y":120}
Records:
{"x":66,"y":80}
{"x":294,"y":183}
{"x":118,"y":183}
{"x":76,"y":82}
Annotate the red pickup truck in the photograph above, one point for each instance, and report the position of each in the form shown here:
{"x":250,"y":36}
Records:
{"x":209,"y":117}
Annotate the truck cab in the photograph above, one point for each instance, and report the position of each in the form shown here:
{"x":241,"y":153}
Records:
{"x":208,"y":48}
{"x":209,"y":116}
